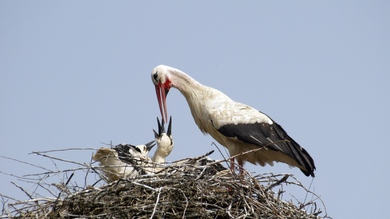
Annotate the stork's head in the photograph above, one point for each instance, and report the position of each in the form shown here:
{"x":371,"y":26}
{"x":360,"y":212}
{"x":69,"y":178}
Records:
{"x":164,"y":139}
{"x":141,"y":150}
{"x":162,"y":80}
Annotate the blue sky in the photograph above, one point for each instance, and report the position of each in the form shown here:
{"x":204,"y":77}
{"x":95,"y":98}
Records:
{"x":75,"y":74}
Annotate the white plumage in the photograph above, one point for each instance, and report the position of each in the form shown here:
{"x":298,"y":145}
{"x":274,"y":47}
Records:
{"x":236,"y":126}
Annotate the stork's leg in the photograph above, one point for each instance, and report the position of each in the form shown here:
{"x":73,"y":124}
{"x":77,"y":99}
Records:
{"x":241,"y":167}
{"x":232,"y":164}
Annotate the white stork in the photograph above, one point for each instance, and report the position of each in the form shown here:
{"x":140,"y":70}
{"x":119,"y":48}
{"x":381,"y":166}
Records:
{"x":123,"y":160}
{"x":164,"y":142}
{"x":236,"y":126}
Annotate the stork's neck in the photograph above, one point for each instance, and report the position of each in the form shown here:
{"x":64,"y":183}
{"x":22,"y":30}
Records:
{"x":200,"y":98}
{"x":185,"y":83}
{"x":192,"y":90}
{"x":158,"y":157}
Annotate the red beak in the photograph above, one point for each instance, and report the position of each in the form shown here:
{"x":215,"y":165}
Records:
{"x":161,"y":93}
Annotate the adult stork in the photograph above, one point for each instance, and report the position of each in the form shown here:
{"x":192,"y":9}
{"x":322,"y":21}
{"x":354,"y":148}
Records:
{"x":238,"y":127}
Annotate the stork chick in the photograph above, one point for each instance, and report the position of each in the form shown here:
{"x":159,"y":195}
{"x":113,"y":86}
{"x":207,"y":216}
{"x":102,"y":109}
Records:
{"x":139,"y":152}
{"x":121,"y":161}
{"x":164,"y":141}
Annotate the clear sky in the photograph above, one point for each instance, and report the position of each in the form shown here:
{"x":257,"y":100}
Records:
{"x":74,"y":74}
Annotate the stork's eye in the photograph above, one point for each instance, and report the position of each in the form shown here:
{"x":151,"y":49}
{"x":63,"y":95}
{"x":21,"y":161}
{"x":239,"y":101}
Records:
{"x":155,"y":76}
{"x":136,"y":148}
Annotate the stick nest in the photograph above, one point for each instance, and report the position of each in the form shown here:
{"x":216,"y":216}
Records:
{"x":190,"y":190}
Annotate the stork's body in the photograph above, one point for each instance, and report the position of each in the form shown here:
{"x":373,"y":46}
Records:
{"x":236,"y":126}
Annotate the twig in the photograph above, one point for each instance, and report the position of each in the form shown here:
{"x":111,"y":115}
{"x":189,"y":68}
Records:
{"x":24,"y":162}
{"x":56,"y":158}
{"x":21,"y":188}
{"x":145,"y":186}
{"x":284,"y":179}
{"x":157,"y":200}
{"x":56,"y":172}
{"x":64,"y":149}
{"x":224,"y":158}
{"x":59,"y":194}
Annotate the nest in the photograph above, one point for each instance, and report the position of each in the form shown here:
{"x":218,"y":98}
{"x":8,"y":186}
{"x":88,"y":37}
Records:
{"x":190,"y":189}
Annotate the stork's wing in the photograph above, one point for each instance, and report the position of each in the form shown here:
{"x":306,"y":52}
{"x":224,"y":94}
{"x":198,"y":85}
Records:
{"x":123,"y":152}
{"x":272,"y":136}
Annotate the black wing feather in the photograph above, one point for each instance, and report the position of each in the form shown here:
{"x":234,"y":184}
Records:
{"x":262,"y":134}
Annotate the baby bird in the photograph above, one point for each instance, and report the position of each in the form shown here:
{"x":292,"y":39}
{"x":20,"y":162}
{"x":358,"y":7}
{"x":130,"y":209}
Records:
{"x":164,"y":142}
{"x":123,"y":160}
{"x":139,"y":152}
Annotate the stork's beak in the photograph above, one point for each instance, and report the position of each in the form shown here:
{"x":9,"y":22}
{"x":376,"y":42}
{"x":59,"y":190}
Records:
{"x":150,"y":145}
{"x":161,"y":93}
{"x":161,"y":129}
{"x":170,"y":126}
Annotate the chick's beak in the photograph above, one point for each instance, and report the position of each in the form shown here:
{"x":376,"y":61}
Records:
{"x":150,"y":145}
